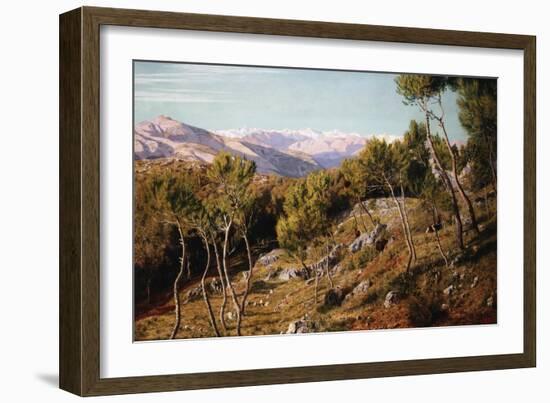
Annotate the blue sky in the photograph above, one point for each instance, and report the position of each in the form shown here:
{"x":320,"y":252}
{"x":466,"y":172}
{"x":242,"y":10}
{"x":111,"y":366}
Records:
{"x":228,"y":97}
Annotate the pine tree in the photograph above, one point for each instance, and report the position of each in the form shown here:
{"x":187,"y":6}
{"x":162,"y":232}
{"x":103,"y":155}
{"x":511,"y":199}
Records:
{"x":232,"y":176}
{"x":423,"y":91}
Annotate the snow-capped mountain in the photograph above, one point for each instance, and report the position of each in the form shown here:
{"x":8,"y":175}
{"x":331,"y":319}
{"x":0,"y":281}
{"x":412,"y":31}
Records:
{"x":164,"y":137}
{"x":328,"y":148}
{"x":285,"y":152}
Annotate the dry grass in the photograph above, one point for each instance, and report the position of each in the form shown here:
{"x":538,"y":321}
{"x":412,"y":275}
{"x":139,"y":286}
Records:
{"x":274,"y":304}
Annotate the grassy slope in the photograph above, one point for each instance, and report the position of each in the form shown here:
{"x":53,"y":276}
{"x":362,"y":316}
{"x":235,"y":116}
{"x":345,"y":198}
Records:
{"x":274,"y":304}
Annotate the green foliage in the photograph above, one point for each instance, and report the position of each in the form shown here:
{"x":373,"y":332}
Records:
{"x":478,"y":107}
{"x":150,"y":235}
{"x":365,"y":256}
{"x":176,"y":201}
{"x":418,"y":88}
{"x":341,"y":197}
{"x":478,"y":115}
{"x":232,"y":176}
{"x":381,"y":162}
{"x":305,"y":213}
{"x":356,"y":178}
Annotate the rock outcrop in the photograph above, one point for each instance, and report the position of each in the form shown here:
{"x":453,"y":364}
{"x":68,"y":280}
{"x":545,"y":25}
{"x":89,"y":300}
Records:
{"x":269,"y":258}
{"x":303,"y":325}
{"x":392,"y":298}
{"x":368,"y":239}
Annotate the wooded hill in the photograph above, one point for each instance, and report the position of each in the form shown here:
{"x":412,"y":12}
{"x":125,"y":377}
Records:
{"x":402,"y":235}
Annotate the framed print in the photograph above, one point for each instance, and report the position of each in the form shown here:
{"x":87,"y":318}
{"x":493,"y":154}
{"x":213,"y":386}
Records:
{"x":251,"y":201}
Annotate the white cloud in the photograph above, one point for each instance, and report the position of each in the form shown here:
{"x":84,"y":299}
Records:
{"x":179,"y":97}
{"x":179,"y":73}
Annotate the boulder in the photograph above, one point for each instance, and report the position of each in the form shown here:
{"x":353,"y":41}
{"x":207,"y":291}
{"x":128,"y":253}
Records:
{"x":299,"y":326}
{"x":269,"y":258}
{"x":360,"y":289}
{"x":392,"y":298}
{"x":332,"y":257}
{"x":288,"y":273}
{"x":358,"y":243}
{"x":369,"y":238}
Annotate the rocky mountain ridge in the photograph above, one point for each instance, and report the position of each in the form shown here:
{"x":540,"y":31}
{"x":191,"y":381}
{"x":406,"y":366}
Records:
{"x":286,"y":152}
{"x":164,"y":137}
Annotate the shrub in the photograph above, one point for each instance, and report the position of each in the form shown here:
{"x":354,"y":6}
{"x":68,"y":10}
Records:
{"x":420,"y":315}
{"x":403,"y":283}
{"x":425,"y":311}
{"x":349,"y":265}
{"x":365,"y":256}
{"x":371,"y":297}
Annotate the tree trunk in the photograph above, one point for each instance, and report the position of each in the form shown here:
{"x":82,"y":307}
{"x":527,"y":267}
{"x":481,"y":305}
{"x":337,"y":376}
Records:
{"x":176,"y":285}
{"x":436,"y":222}
{"x":486,"y":203}
{"x":249,"y":277}
{"x":409,"y":234}
{"x":403,"y":226}
{"x":203,"y":286}
{"x":316,"y":285}
{"x":463,"y":194}
{"x":492,"y":162}
{"x":304,"y":266}
{"x":188,"y":267}
{"x":327,"y":268}
{"x":357,"y":223}
{"x":222,"y":281}
{"x":448,"y":186}
{"x":366,"y":210}
{"x":228,"y":225}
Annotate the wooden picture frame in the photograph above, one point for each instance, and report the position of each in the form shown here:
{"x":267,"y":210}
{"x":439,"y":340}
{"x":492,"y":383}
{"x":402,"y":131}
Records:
{"x":80,"y":185}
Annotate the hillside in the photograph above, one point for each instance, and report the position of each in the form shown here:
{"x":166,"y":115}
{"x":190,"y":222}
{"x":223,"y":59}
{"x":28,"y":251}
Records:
{"x":369,"y":289}
{"x":292,"y":153}
{"x":328,"y":148}
{"x":164,"y":137}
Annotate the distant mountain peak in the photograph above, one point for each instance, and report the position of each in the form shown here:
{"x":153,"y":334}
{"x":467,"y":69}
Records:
{"x":164,"y":137}
{"x":328,"y":148}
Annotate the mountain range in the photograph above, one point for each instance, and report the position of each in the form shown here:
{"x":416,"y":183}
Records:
{"x":284,"y":152}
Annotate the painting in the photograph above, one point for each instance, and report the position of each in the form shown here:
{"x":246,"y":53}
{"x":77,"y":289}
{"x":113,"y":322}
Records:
{"x":279,"y":200}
